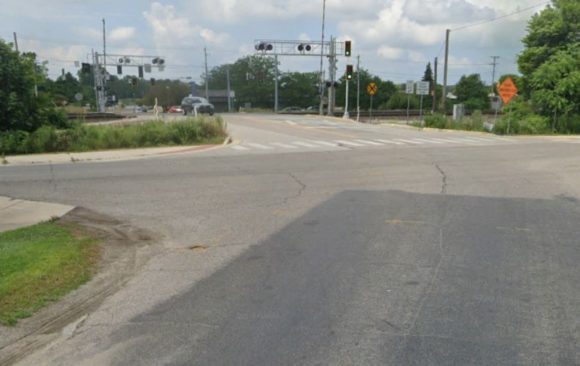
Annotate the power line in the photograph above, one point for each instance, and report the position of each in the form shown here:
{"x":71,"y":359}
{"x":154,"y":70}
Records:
{"x":501,"y":16}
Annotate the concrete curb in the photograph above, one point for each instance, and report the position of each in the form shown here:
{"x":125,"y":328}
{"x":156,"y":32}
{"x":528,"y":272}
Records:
{"x":16,"y":213}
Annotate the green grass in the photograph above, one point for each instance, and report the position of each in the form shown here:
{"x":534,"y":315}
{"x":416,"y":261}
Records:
{"x":40,"y":264}
{"x":81,"y":137}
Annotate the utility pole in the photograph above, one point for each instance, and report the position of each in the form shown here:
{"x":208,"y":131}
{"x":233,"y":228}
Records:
{"x":321,"y":90}
{"x":276,"y":84}
{"x":206,"y":74}
{"x":357,"y":88}
{"x":104,"y":44}
{"x":494,"y":64}
{"x":229,"y":89}
{"x":444,"y":96}
{"x":15,"y":42}
{"x":434,"y":107}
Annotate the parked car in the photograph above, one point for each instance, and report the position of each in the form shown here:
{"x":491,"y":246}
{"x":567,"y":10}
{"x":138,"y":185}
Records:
{"x":291,"y":109}
{"x":175,"y":109}
{"x":188,"y":104}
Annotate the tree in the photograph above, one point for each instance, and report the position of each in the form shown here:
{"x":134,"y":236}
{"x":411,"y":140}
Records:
{"x":428,"y":76}
{"x":385,"y":89}
{"x":21,"y":108}
{"x":472,"y":92}
{"x":299,"y":89}
{"x":550,"y":62}
{"x":251,"y":77}
{"x":167,"y":92}
{"x":65,"y":88}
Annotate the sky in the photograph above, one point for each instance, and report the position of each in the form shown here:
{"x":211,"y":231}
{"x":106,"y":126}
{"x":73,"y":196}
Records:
{"x":394,"y":38}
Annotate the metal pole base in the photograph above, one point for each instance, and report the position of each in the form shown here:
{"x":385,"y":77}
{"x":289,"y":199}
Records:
{"x":346,"y":115}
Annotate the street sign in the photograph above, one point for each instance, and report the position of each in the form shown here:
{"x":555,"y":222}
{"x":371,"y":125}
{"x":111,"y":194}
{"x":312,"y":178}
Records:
{"x":423,"y":88}
{"x":507,"y":90}
{"x":410,"y":87}
{"x":372,"y":88}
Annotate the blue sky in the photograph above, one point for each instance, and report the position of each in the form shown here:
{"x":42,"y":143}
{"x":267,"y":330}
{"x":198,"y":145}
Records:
{"x":395,"y":38}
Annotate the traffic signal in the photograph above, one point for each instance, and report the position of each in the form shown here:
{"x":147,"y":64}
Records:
{"x":349,"y":72}
{"x":119,"y":70}
{"x":347,"y":48}
{"x":86,"y":68}
{"x":141,"y":72}
{"x":134,"y":81}
{"x":152,"y":81}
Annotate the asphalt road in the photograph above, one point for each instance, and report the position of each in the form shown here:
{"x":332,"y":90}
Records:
{"x":357,"y":245}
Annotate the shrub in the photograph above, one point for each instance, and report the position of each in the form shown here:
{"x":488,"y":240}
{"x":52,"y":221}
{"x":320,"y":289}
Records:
{"x":529,"y":125}
{"x":436,"y":120}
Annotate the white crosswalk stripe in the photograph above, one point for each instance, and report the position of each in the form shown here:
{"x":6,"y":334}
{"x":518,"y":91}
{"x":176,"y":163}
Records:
{"x":348,"y":143}
{"x":285,"y":146}
{"x":368,"y":142}
{"x":324,"y":143}
{"x":260,"y":146}
{"x":430,"y":141}
{"x":302,"y":143}
{"x":409,"y":141}
{"x":447,"y":140}
{"x":390,"y":142}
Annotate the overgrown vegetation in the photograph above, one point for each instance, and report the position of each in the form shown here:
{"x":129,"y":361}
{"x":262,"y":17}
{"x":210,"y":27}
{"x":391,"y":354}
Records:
{"x":80,"y":137}
{"x":41,"y":263}
{"x":472,"y":123}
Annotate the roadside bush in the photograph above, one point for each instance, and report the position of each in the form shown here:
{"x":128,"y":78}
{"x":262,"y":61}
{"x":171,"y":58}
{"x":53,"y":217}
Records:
{"x":436,"y":120}
{"x":532,"y":124}
{"x":80,"y":137}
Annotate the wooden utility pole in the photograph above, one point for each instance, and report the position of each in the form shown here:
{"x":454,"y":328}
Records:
{"x":15,"y":42}
{"x":434,"y":107}
{"x":445,"y":69}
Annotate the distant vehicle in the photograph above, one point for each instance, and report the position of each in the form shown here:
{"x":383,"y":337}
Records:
{"x":313,"y":108}
{"x":291,"y":109}
{"x":175,"y":109}
{"x":188,"y":104}
{"x":141,"y":109}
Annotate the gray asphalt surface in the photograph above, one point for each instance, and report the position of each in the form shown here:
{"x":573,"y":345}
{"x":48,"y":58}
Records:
{"x":434,"y":254}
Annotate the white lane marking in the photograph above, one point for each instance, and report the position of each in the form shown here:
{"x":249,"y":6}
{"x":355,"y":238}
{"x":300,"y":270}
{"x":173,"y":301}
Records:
{"x":369,"y":142}
{"x":325,"y":143}
{"x":239,"y":147}
{"x":306,"y":144}
{"x":259,"y":146}
{"x":430,"y":141}
{"x":390,"y":142}
{"x":348,"y":143}
{"x":468,"y":140}
{"x":409,"y":141}
{"x":285,"y":146}
{"x":290,"y":122}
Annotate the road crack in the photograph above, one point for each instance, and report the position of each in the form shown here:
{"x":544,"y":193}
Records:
{"x":443,"y":179}
{"x":300,"y":190}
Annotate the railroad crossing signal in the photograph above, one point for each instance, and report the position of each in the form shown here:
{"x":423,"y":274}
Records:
{"x":507,"y":90}
{"x":349,"y":71}
{"x":372,"y":88}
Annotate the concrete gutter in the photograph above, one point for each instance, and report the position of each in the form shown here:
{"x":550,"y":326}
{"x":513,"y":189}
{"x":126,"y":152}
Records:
{"x":15,"y":213}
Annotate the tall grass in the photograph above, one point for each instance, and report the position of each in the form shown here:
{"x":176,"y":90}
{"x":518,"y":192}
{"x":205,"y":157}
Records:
{"x":81,"y":137}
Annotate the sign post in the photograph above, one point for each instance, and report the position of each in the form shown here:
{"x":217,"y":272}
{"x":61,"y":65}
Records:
{"x":422,"y":90}
{"x":409,"y":89}
{"x":372,"y":89}
{"x":507,"y":90}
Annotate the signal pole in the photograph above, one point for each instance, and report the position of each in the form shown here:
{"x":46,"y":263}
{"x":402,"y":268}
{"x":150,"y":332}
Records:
{"x":206,"y":74}
{"x":445,"y":69}
{"x":321,"y":109}
{"x":276,"y":85}
{"x":15,"y":42}
{"x":229,"y":89}
{"x":357,"y":88}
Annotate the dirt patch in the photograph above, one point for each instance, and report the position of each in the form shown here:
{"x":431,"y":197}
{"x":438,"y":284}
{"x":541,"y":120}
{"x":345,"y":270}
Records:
{"x":124,"y":250}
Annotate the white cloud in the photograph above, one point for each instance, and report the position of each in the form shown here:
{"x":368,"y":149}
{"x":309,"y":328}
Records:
{"x":121,"y":34}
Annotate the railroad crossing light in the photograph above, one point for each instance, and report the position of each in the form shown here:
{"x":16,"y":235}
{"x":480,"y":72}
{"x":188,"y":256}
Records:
{"x":121,"y":60}
{"x":304,"y":47}
{"x":263,"y":46}
{"x":349,"y":71}
{"x":347,"y":48}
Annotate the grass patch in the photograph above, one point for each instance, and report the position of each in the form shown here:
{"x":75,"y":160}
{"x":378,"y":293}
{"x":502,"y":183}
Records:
{"x":41,"y":263}
{"x":81,"y":137}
